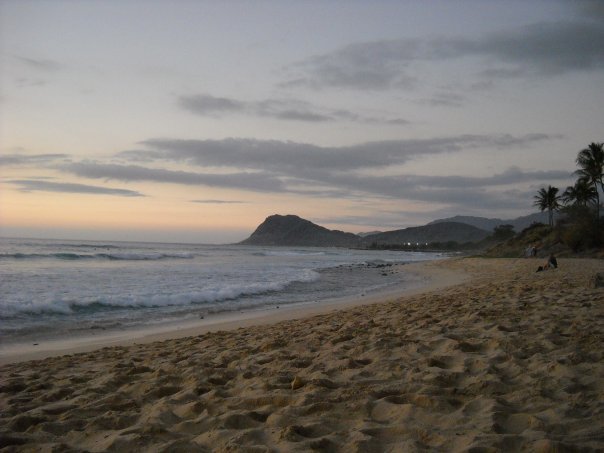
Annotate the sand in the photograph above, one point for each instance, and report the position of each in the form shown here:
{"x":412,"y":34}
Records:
{"x":508,"y":360}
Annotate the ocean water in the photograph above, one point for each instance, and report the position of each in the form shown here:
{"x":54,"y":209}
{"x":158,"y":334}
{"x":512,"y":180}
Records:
{"x":52,"y":289}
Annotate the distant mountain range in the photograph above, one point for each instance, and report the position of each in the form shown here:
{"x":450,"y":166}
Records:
{"x":291,"y":230}
{"x":483,"y":223}
{"x":436,"y":232}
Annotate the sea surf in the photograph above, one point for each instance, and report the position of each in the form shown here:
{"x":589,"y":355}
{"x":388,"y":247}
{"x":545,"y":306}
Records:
{"x":57,"y":289}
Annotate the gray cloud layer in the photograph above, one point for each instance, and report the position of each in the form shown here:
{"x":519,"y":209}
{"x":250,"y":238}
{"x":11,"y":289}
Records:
{"x":262,"y":182}
{"x":297,"y":158}
{"x":277,"y":166}
{"x":274,"y":166}
{"x":471,"y":191}
{"x":291,"y":110}
{"x":32,"y":185}
{"x":39,"y":64}
{"x":483,"y":192}
{"x":543,"y":49}
{"x":30,"y":159}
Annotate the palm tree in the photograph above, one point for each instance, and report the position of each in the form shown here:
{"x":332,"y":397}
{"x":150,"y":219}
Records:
{"x":548,"y":199}
{"x":591,"y":167}
{"x":581,"y":194}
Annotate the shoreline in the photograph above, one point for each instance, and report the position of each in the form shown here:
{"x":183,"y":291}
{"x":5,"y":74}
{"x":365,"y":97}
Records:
{"x":433,"y":278}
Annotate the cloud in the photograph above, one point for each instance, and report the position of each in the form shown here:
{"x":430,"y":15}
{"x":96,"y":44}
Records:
{"x":444,"y":100}
{"x":476,"y":192}
{"x":39,"y":64}
{"x":30,"y":185}
{"x":257,"y":181}
{"x":208,"y":105}
{"x":337,"y":172}
{"x":30,"y":159}
{"x":272,"y":166}
{"x":293,"y":111}
{"x":593,"y":9}
{"x":390,"y":221}
{"x":512,"y":175}
{"x":542,"y":49}
{"x":301,"y":159}
{"x":27,"y":82}
{"x":546,"y":48}
{"x":288,"y":110}
{"x":369,"y":65}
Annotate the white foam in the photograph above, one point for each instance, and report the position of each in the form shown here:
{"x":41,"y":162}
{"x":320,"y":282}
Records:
{"x":206,"y":294}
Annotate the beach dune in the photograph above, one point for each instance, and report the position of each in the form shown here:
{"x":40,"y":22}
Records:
{"x":508,"y":360}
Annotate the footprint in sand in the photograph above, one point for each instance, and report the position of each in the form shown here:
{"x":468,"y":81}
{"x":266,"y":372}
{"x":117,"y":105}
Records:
{"x":391,"y":410}
{"x":166,"y":391}
{"x":22,"y":423}
{"x":243,"y":420}
{"x":446,"y":362}
{"x":297,"y":433}
{"x":516,"y":423}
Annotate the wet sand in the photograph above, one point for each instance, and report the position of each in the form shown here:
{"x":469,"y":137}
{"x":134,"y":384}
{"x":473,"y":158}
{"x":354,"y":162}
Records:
{"x":506,"y":360}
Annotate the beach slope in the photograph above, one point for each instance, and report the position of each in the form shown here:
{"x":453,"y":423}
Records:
{"x":509,"y":360}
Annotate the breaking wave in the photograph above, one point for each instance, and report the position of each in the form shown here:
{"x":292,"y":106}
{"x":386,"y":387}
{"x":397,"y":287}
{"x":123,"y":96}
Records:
{"x":124,"y":256}
{"x":207,"y":295}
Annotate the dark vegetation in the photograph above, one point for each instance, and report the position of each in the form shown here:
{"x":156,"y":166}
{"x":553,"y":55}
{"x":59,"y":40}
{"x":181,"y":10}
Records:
{"x":500,"y":233}
{"x":580,"y":228}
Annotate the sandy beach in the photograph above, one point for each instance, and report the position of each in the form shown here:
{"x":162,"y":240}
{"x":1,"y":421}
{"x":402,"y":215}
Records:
{"x":491,"y":356}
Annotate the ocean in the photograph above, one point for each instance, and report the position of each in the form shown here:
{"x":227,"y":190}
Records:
{"x":58,"y":289}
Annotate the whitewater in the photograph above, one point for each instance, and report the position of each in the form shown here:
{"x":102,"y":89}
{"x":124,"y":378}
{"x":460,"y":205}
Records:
{"x":53,"y":289}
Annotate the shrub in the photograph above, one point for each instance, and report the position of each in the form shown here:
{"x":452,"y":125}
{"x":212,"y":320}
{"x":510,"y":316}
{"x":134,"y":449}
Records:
{"x":580,"y":231}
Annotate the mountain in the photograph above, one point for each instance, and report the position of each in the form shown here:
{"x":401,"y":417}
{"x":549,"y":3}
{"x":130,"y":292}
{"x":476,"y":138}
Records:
{"x":368,"y":233}
{"x":435,"y":232}
{"x":291,"y":230}
{"x":484,"y":223}
{"x":479,"y":222}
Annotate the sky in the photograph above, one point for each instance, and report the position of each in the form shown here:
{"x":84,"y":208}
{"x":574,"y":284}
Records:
{"x":192,"y":121}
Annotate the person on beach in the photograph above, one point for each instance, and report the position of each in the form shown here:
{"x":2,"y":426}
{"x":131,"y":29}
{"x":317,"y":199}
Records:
{"x":551,"y":263}
{"x":530,"y":251}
